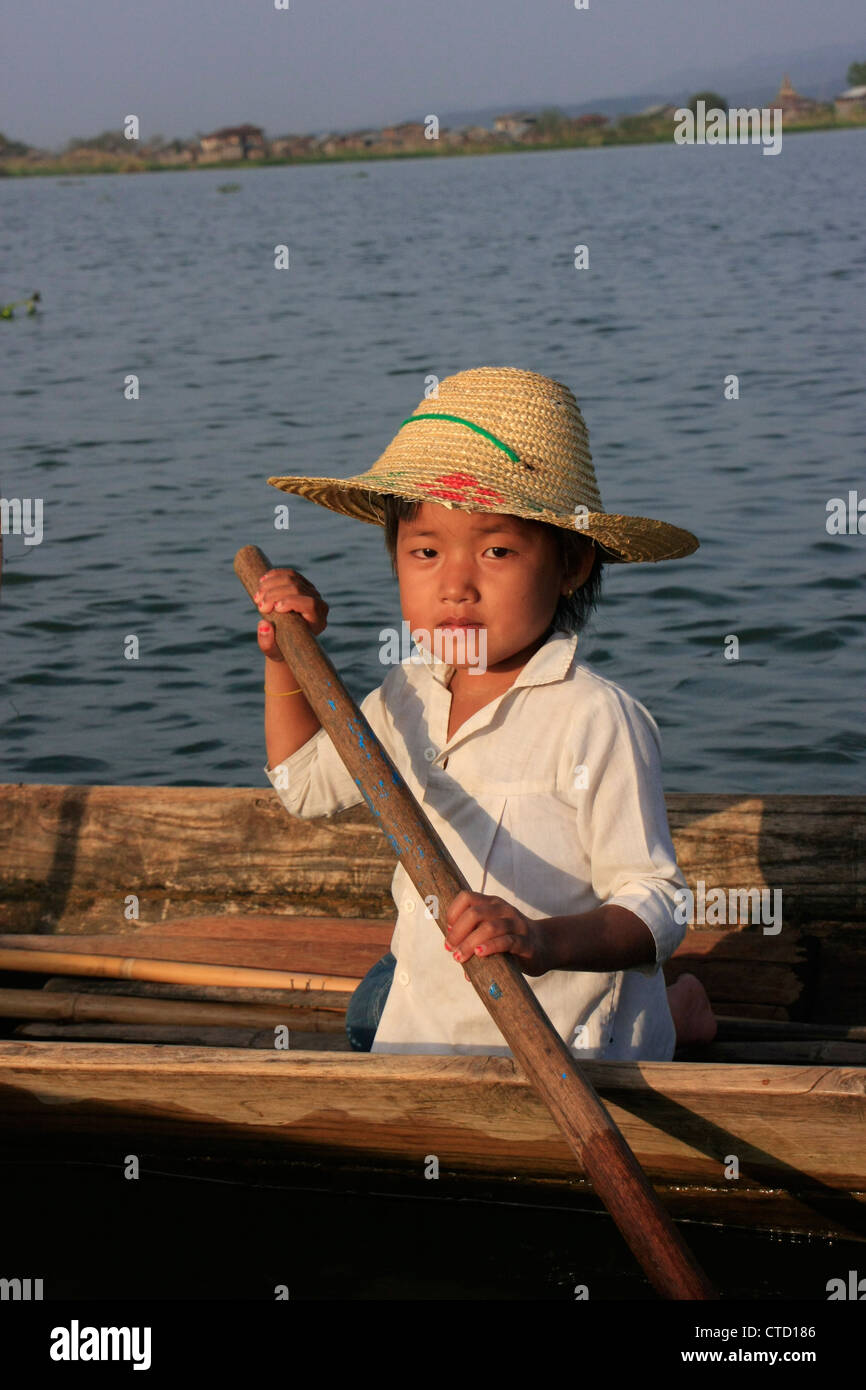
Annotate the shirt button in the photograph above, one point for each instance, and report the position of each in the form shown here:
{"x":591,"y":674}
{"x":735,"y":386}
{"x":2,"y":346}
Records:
{"x":403,"y":977}
{"x":430,"y":754}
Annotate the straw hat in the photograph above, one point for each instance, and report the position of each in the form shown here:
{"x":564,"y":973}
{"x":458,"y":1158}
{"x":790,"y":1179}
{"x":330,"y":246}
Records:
{"x":498,"y":439}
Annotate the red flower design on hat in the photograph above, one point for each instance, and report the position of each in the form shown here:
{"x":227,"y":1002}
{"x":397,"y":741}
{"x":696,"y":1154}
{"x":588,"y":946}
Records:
{"x":461,"y":487}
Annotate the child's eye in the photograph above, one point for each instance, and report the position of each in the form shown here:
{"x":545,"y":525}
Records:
{"x":428,"y":550}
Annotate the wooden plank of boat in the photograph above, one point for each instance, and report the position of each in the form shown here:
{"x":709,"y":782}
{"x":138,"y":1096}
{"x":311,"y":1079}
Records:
{"x":296,"y":944}
{"x":73,"y":853}
{"x":797,"y":1132}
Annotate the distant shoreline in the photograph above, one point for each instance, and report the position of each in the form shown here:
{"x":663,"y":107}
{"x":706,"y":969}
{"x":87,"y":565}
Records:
{"x":607,"y":140}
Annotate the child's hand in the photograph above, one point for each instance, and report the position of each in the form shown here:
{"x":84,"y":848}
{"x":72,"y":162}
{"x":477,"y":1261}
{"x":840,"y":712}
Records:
{"x":481,"y":924}
{"x":287,"y":591}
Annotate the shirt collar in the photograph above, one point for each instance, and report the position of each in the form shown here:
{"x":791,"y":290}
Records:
{"x":551,"y":662}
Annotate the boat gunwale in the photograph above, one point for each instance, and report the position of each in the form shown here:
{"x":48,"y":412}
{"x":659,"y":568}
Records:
{"x":664,"y":1079}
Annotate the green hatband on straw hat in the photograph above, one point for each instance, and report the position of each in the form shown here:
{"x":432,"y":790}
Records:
{"x":502,"y":440}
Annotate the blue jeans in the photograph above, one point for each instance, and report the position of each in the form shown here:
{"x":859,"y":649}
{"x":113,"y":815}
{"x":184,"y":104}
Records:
{"x":367,"y":1004}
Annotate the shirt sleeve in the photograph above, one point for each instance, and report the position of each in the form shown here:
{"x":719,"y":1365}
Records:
{"x":314,"y":781}
{"x":623,"y":819}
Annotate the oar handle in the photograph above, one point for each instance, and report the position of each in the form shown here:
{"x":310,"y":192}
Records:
{"x":541,"y":1052}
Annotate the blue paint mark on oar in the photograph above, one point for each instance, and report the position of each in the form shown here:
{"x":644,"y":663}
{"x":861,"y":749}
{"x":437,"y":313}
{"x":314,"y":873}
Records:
{"x":362,"y":789}
{"x":495,"y":991}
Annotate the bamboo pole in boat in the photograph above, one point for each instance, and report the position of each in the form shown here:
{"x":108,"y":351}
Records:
{"x":318,"y":1000}
{"x":289,"y":954}
{"x":809,"y":1051}
{"x":784,"y":1030}
{"x":549,"y":1066}
{"x":118,"y":1008}
{"x":167,"y":971}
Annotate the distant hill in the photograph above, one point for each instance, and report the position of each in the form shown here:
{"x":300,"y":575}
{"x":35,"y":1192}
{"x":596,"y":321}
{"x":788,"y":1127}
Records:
{"x":815,"y":72}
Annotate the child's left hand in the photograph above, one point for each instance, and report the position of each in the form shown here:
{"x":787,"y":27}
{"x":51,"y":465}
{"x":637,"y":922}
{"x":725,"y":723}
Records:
{"x":481,"y":924}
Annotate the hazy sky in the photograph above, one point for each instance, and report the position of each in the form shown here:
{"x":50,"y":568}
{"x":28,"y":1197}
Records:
{"x":184,"y":66}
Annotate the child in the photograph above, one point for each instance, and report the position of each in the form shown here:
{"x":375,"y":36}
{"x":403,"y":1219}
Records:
{"x":541,"y":777}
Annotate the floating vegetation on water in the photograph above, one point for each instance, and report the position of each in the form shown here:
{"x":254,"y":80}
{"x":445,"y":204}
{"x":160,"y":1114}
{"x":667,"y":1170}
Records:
{"x":7,"y":311}
{"x":228,"y":187}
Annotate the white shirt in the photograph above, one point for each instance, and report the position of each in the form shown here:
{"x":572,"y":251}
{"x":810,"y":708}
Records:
{"x":550,"y":797}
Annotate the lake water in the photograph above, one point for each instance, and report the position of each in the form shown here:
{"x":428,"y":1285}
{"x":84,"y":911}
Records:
{"x":703,"y":262}
{"x":206,"y":1231}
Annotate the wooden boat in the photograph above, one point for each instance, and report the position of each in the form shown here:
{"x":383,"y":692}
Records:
{"x":763,"y":1128}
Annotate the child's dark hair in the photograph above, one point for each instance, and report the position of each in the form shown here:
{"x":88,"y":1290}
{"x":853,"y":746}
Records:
{"x":571,"y":614}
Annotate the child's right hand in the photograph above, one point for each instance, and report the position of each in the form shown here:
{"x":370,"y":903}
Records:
{"x":287,"y":591}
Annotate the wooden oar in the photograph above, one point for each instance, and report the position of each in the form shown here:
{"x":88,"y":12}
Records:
{"x":541,"y":1052}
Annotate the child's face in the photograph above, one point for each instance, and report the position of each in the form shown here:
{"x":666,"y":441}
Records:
{"x":496,"y":571}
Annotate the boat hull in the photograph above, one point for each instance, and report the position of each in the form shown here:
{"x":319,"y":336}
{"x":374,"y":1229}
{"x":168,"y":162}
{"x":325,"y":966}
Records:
{"x":794,"y":1135}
